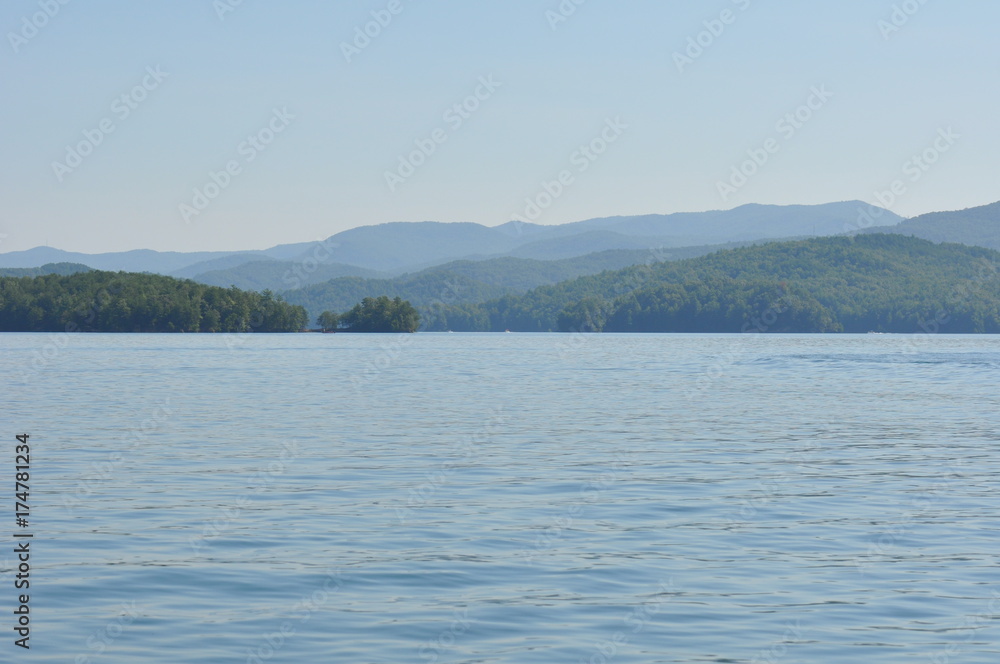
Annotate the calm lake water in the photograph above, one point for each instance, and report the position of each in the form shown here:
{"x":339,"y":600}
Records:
{"x":506,"y":498}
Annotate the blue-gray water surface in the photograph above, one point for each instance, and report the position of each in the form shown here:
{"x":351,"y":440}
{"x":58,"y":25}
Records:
{"x":505,"y":498}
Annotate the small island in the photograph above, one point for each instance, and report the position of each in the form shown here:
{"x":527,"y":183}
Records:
{"x":373,"y":314}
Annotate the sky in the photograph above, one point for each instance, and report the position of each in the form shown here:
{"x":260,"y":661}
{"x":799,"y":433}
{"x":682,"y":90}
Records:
{"x":189,"y":125}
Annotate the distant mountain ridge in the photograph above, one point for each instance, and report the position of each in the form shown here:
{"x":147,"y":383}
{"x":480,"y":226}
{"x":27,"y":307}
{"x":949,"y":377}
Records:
{"x":471,"y":282}
{"x":280,"y":275}
{"x":471,"y":263}
{"x":63,"y":269}
{"x":399,"y":247}
{"x":978,"y":226}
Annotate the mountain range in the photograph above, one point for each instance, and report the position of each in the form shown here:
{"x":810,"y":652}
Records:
{"x":978,"y":226}
{"x":399,"y":247}
{"x":455,"y":263}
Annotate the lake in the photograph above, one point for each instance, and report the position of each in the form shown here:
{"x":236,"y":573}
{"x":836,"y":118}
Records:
{"x":506,"y":498}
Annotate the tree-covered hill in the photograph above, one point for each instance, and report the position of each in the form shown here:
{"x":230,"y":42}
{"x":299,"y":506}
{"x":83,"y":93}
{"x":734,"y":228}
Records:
{"x":887,"y":283}
{"x":523,"y":274}
{"x":279,"y":275}
{"x":979,"y":226}
{"x":869,"y":282}
{"x":470,"y":282}
{"x":424,"y":289}
{"x":129,"y":302}
{"x":48,"y":268}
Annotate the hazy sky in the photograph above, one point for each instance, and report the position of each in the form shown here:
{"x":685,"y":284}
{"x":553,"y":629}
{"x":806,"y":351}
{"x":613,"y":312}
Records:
{"x":115,"y":113}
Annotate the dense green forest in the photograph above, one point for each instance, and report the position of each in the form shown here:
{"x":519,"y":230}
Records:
{"x":128,"y":302}
{"x":470,"y":282}
{"x":868,"y":282}
{"x":374,"y":314}
{"x":878,"y":282}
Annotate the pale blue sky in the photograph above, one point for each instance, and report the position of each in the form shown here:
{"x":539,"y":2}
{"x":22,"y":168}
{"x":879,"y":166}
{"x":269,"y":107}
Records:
{"x":325,"y":171}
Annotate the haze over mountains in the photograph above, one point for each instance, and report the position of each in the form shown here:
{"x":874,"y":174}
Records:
{"x":449,"y":270}
{"x":978,"y":226}
{"x":430,"y":262}
{"x":866,"y":282}
{"x":395,"y":248}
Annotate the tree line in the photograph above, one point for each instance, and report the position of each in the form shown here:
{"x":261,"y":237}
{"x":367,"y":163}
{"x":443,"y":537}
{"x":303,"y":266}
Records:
{"x":877,"y":282}
{"x":100,"y":301}
{"x":868,"y":282}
